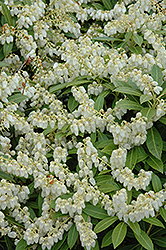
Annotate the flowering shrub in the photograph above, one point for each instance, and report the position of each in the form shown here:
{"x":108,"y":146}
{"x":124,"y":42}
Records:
{"x":82,"y":124}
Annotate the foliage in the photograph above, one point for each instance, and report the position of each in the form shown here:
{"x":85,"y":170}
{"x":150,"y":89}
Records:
{"x":82,"y":124}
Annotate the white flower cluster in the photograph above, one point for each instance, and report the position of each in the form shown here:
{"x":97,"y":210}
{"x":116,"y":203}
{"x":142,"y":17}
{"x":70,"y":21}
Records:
{"x":87,"y":236}
{"x":124,"y":174}
{"x":7,"y":34}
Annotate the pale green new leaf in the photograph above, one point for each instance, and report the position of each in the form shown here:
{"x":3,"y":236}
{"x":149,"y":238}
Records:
{"x":105,"y":223}
{"x":154,"y":142}
{"x":119,"y":234}
{"x":156,"y":183}
{"x":154,"y":221}
{"x":157,"y":74}
{"x":145,"y":98}
{"x":138,"y":39}
{"x":144,"y":240}
{"x":135,"y":227}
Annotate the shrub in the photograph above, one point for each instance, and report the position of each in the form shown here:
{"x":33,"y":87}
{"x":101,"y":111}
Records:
{"x":82,"y":132}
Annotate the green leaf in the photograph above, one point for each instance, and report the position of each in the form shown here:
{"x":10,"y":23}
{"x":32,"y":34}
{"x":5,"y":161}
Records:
{"x":72,"y":236}
{"x":154,"y":142}
{"x":106,"y":39}
{"x":138,"y":39}
{"x":107,"y":4}
{"x":136,"y":50}
{"x":163,"y":213}
{"x":119,"y":234}
{"x":49,"y":129}
{"x":99,"y":103}
{"x":157,"y":74}
{"x":104,"y":143}
{"x":101,"y":136}
{"x":96,"y":247}
{"x":144,"y":240}
{"x":105,"y":223}
{"x":141,"y":154}
{"x":148,"y":112}
{"x":156,"y":183}
{"x":12,"y":221}
{"x":135,"y":227}
{"x":108,"y":85}
{"x":58,"y":215}
{"x":108,"y":187}
{"x":101,"y":179}
{"x":128,"y":35}
{"x":21,"y":245}
{"x":17,"y":98}
{"x":7,"y":48}
{"x":107,"y":240}
{"x":109,"y":148}
{"x":98,"y":6}
{"x":40,"y":202}
{"x":154,"y":221}
{"x":4,"y":64}
{"x":27,"y":2}
{"x":6,"y":13}
{"x":31,"y":187}
{"x":60,"y":243}
{"x":160,"y":241}
{"x":155,"y":163}
{"x":72,"y":103}
{"x":163,"y":120}
{"x":145,"y":98}
{"x":127,"y":104}
{"x":64,"y":246}
{"x":32,"y":213}
{"x":6,"y":176}
{"x":128,"y":90}
{"x":131,"y":159}
{"x":95,"y":211}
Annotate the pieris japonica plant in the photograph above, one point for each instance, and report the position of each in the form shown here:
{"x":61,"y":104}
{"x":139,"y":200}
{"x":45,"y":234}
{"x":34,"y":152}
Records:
{"x":82,"y":124}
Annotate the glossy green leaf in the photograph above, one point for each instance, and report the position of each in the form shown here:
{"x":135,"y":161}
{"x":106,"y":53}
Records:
{"x":72,"y":103}
{"x":107,"y":4}
{"x":13,"y":222}
{"x":8,"y":242}
{"x":148,"y":112}
{"x":98,"y":6}
{"x":163,"y":120}
{"x":107,"y":239}
{"x":6,"y":13}
{"x":118,"y":234}
{"x":32,"y":213}
{"x":144,"y":240}
{"x":163,"y":213}
{"x":108,"y":85}
{"x":155,"y":163}
{"x":106,"y":39}
{"x":136,"y":50}
{"x":128,"y":90}
{"x":7,"y":48}
{"x":138,"y":39}
{"x":99,"y":103}
{"x":17,"y":98}
{"x":101,"y":179}
{"x":64,"y":246}
{"x":109,"y":187}
{"x":40,"y":202}
{"x":156,"y":183}
{"x":95,"y":211}
{"x":135,"y":227}
{"x":141,"y":154}
{"x":145,"y":98}
{"x":154,"y":221}
{"x":58,"y":215}
{"x":22,"y":244}
{"x":127,"y":104}
{"x":105,"y":143}
{"x":156,"y":73}
{"x":131,"y":158}
{"x":96,"y":247}
{"x":27,"y":2}
{"x":105,"y":223}
{"x":128,"y":35}
{"x":72,"y":236}
{"x":154,"y":142}
{"x":109,"y":148}
{"x":4,"y":64}
{"x":49,"y":129}
{"x":59,"y":244}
